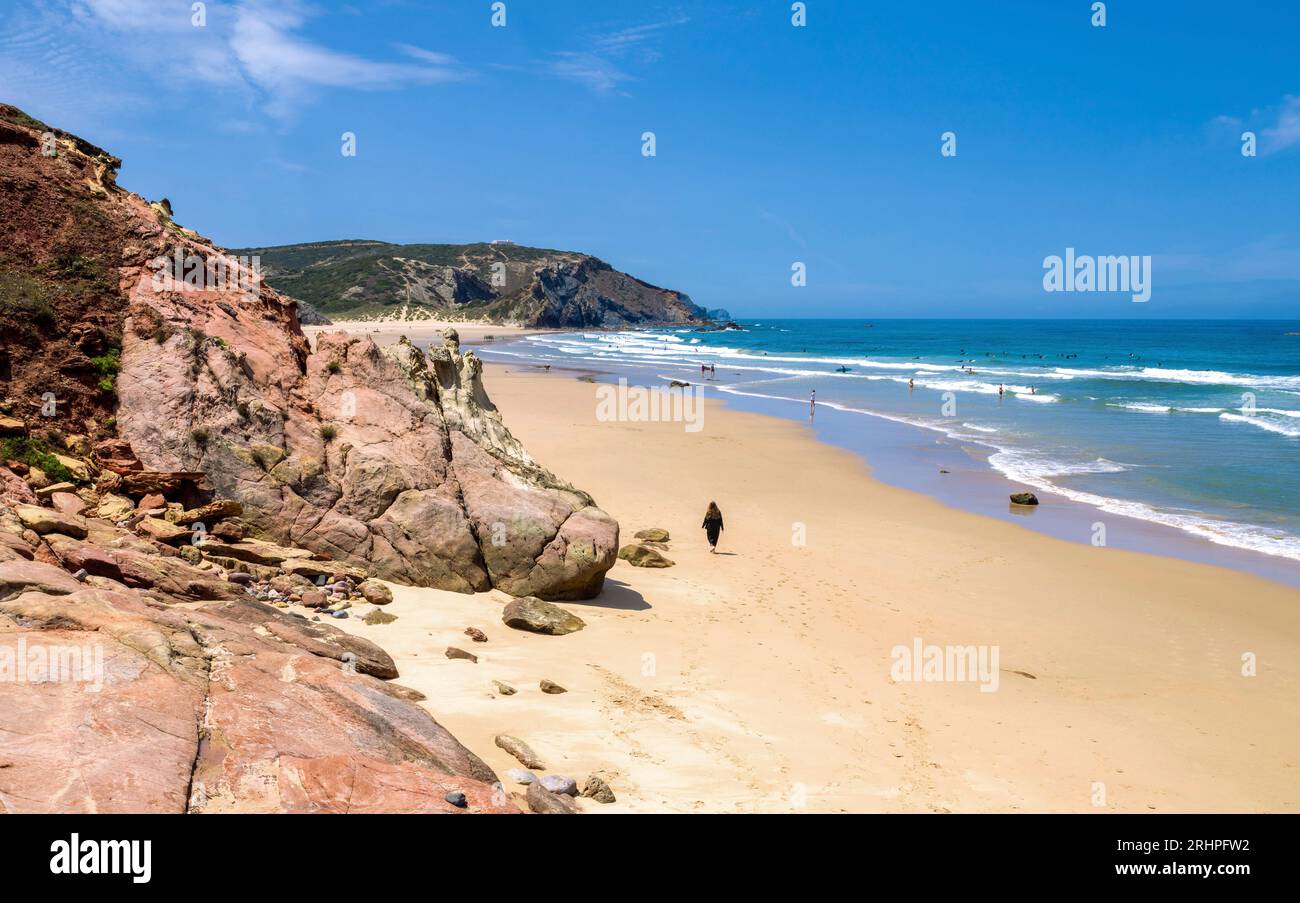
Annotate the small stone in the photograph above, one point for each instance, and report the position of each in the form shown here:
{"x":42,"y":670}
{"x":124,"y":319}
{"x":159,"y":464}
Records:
{"x":543,"y":802}
{"x":375,"y":592}
{"x":520,"y":750}
{"x":654,"y":534}
{"x":152,"y":502}
{"x":1024,"y":498}
{"x":598,"y":790}
{"x":338,"y":614}
{"x":453,"y":652}
{"x":558,"y":783}
{"x":643,"y":556}
{"x":378,"y":617}
{"x":229,"y":530}
{"x":550,"y":686}
{"x":457,"y":799}
{"x":476,"y":635}
{"x":81,"y":575}
{"x":504,"y":688}
{"x":521,"y":775}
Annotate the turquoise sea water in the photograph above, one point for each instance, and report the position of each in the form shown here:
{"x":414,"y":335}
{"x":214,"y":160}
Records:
{"x":1193,"y":425}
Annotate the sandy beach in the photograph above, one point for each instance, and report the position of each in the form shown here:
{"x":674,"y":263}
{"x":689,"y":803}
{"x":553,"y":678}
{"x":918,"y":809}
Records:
{"x":386,"y":332}
{"x":759,"y":679}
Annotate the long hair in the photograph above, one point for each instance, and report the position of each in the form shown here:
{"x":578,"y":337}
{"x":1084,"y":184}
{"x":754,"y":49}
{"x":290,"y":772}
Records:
{"x":713,"y":513}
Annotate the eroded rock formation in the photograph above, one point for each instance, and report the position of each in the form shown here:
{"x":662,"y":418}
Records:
{"x":118,"y":696}
{"x":386,"y":459}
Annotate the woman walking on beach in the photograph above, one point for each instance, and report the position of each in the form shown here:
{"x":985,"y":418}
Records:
{"x":713,"y":525}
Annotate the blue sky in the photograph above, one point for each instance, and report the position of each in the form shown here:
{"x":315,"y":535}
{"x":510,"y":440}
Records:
{"x":775,"y":144}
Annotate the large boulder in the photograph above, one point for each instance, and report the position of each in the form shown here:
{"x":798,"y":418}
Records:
{"x":385,"y":459}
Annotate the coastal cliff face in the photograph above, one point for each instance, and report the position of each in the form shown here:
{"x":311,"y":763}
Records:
{"x":385,"y":459}
{"x":178,"y":471}
{"x":497,"y":283}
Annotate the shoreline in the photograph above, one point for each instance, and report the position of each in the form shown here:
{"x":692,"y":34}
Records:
{"x":911,"y":456}
{"x":770,"y":688}
{"x":981,"y":489}
{"x":895,"y":447}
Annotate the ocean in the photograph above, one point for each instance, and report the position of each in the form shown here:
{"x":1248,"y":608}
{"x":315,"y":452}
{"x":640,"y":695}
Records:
{"x":1181,"y":437}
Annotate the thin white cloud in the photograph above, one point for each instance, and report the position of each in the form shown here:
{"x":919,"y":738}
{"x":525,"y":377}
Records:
{"x":625,"y":38}
{"x":1278,"y":127}
{"x":1286,"y":132}
{"x":256,"y":46}
{"x":136,"y":15}
{"x":599,"y":67}
{"x":592,"y":70}
{"x":790,"y":230}
{"x":429,"y":56}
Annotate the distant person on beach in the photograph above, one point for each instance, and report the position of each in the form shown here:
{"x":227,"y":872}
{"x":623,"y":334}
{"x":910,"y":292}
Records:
{"x":713,"y":525}
{"x":812,"y":403}
{"x":1000,"y":390}
{"x":911,"y":384}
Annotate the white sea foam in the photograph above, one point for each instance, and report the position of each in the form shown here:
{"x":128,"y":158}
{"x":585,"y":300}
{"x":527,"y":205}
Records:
{"x":1142,"y":406}
{"x":1036,"y":473}
{"x":1263,"y":424}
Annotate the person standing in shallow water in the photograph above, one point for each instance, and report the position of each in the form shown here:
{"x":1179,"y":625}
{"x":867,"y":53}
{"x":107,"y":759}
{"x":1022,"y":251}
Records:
{"x":713,"y":525}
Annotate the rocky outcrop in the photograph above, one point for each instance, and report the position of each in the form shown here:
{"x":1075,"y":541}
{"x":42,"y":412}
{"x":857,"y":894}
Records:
{"x":117,"y":696}
{"x":387,"y":460}
{"x":380,"y":458}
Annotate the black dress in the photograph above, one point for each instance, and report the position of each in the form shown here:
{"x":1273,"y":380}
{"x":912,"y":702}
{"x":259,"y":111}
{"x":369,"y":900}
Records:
{"x":712,"y":527}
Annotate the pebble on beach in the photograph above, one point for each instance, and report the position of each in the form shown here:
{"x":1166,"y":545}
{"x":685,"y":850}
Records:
{"x":558,"y":783}
{"x":504,"y":688}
